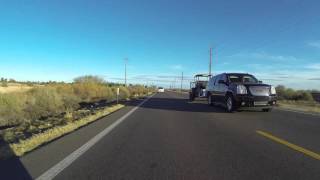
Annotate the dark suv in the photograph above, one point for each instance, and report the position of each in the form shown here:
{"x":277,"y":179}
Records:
{"x":240,"y":91}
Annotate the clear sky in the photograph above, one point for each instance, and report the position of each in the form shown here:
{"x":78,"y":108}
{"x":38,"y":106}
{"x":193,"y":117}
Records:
{"x":276,"y":40}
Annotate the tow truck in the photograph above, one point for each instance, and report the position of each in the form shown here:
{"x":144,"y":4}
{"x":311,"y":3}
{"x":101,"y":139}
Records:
{"x":198,"y":86}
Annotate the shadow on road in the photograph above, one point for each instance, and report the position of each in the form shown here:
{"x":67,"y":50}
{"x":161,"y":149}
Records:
{"x":181,"y":104}
{"x":11,"y":168}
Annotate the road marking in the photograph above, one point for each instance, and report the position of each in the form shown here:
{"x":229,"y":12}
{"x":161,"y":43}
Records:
{"x":58,"y":168}
{"x":300,"y":112}
{"x":290,"y":145}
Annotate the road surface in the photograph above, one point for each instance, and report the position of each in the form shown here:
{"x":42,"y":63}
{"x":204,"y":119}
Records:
{"x":171,"y":138}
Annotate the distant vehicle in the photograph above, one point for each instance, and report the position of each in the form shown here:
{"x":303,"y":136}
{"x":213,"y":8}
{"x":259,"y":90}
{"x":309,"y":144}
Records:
{"x":198,"y":86}
{"x":240,"y":91}
{"x":161,"y":89}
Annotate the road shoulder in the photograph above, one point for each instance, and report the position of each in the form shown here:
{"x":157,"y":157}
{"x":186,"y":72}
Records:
{"x":45,"y":157}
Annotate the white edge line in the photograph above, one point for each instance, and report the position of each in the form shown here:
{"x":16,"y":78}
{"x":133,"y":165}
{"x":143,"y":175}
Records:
{"x":59,"y":167}
{"x":299,"y":112}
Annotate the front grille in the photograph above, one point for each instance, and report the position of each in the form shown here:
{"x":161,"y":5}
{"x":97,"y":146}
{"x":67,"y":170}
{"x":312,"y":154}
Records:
{"x":261,"y":98}
{"x":259,"y":90}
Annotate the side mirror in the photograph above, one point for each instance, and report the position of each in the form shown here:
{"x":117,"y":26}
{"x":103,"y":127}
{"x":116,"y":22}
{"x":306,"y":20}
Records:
{"x":260,"y":82}
{"x":221,"y":82}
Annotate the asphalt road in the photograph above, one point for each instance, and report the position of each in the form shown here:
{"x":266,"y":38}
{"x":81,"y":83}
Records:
{"x":171,"y":138}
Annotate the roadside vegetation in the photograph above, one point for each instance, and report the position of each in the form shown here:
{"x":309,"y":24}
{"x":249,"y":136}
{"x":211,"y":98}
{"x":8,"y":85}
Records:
{"x":28,"y":118}
{"x":299,"y":100}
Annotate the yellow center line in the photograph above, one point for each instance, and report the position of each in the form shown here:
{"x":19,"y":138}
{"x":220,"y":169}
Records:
{"x":290,"y":145}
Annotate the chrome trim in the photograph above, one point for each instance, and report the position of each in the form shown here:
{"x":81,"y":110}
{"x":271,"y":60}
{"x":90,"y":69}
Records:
{"x":259,"y":90}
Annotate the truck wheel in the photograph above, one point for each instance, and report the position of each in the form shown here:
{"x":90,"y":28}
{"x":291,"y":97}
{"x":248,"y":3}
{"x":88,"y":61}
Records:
{"x":210,"y":102}
{"x":266,"y":110}
{"x":229,"y":104}
{"x":191,"y":98}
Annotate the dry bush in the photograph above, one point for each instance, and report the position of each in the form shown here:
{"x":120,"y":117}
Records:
{"x":92,"y":92}
{"x":55,"y":104}
{"x":137,"y":90}
{"x":124,"y":93}
{"x":43,"y":102}
{"x":11,"y":108}
{"x":70,"y":99}
{"x":291,"y":94}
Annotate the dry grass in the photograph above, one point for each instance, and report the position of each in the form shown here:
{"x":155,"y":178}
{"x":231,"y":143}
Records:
{"x":15,"y":87}
{"x":304,"y":106}
{"x":35,"y":141}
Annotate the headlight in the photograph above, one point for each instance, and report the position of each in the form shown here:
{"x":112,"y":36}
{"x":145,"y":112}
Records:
{"x":273,"y":90}
{"x":241,"y":89}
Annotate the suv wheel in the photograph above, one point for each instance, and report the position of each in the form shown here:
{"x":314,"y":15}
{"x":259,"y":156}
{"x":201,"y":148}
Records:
{"x":229,"y":104}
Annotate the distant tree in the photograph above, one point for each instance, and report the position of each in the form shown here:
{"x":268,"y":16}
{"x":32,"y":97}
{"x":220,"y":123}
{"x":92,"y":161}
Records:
{"x":4,"y":82}
{"x":281,"y":91}
{"x":304,"y":95}
{"x":90,"y":79}
{"x":29,"y":83}
{"x":12,"y":80}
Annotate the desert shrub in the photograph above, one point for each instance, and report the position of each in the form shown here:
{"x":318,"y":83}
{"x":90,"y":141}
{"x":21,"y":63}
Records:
{"x":136,"y":90}
{"x":290,"y":94}
{"x":92,"y":88}
{"x":4,"y":84}
{"x":70,"y":99}
{"x":54,"y":104}
{"x":109,"y":94}
{"x":124,"y":92}
{"x":43,"y":102}
{"x":11,"y":108}
{"x":9,"y":136}
{"x":92,"y":91}
{"x":82,"y":90}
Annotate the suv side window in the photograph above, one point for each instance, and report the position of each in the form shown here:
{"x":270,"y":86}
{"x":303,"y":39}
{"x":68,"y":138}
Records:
{"x":224,"y":77}
{"x":217,"y":77}
{"x":211,"y":82}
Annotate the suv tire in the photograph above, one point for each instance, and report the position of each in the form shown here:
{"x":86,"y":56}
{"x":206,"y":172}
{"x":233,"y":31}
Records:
{"x":229,"y":104}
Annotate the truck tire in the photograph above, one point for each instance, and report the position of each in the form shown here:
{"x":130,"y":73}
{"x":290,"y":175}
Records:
{"x":267,"y":109}
{"x":210,"y":100}
{"x":191,"y":97}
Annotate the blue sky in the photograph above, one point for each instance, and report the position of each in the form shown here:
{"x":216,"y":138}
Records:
{"x":276,"y":40}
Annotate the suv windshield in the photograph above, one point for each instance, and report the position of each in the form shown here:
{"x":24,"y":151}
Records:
{"x":242,"y":78}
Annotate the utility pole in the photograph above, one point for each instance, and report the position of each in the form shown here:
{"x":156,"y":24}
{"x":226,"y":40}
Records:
{"x":125,"y":71}
{"x":210,"y":61}
{"x":181,"y":82}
